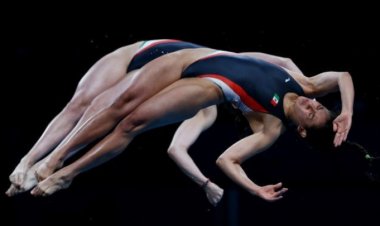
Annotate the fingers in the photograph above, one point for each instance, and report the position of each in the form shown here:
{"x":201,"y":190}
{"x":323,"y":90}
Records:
{"x":215,"y":201}
{"x":341,"y":126}
{"x":274,"y":198}
{"x":215,"y":197}
{"x":278,"y":198}
{"x":278,"y":195}
{"x":277,"y":186}
{"x":280,"y":192}
{"x":339,"y":138}
{"x":345,"y":137}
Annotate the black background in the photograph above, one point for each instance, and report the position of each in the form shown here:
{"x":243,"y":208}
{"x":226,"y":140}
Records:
{"x":143,"y":186}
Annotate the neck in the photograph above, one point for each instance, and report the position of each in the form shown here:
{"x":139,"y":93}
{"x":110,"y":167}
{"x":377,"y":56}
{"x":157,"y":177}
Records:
{"x":289,"y":100}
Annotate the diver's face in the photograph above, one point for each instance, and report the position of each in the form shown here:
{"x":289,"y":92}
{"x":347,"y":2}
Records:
{"x":310,"y":113}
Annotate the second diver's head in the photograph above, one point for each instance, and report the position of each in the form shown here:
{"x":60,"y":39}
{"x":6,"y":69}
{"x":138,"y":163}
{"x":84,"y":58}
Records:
{"x":309,"y":113}
{"x":313,"y":121}
{"x":309,"y":116}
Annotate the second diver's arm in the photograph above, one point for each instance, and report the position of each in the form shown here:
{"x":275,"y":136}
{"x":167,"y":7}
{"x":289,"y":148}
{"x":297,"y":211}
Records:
{"x":186,"y":134}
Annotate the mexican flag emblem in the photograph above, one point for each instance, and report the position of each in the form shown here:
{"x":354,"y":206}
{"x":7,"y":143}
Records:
{"x":275,"y":100}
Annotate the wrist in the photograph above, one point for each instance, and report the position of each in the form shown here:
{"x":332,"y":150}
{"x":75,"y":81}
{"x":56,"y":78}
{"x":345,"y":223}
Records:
{"x":256,"y":190}
{"x":347,"y":112}
{"x":204,"y":184}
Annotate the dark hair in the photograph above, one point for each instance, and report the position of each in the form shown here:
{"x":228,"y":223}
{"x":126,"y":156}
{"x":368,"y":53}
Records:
{"x":322,"y":138}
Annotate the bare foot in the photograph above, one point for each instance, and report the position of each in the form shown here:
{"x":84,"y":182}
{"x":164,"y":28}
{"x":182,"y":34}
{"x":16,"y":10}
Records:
{"x":52,"y":184}
{"x":30,"y":181}
{"x":18,"y":175}
{"x":45,"y":170}
{"x":12,"y":190}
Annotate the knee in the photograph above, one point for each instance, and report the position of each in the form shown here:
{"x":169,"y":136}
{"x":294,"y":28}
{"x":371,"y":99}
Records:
{"x":124,"y":99}
{"x":99,"y":103}
{"x":131,"y":125}
{"x":78,"y":104}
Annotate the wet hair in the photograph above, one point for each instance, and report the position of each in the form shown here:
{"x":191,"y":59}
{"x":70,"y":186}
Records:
{"x":322,"y":138}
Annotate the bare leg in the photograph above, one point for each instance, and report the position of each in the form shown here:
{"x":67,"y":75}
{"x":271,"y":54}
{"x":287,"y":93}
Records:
{"x":173,"y":104}
{"x":102,"y":101}
{"x":145,"y":85}
{"x":101,"y":76}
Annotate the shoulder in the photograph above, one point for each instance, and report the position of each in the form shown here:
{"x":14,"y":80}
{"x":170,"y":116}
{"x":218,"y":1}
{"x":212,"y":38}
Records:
{"x":305,"y":82}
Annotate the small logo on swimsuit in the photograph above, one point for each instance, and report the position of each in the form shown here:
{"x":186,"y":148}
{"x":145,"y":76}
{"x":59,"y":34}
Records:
{"x":275,"y":100}
{"x":287,"y":80}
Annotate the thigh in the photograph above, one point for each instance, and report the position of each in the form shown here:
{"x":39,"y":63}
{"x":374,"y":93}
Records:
{"x":109,"y":96}
{"x":154,"y":77}
{"x":179,"y":101}
{"x":107,"y":71}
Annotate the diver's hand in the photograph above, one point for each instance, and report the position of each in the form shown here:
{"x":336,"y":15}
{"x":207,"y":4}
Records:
{"x":214,"y":193}
{"x":272,"y":192}
{"x":342,"y":125}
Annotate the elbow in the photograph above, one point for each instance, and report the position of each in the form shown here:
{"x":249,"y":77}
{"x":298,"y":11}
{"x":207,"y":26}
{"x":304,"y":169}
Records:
{"x":286,"y":61}
{"x":223,"y":161}
{"x":343,"y":74}
{"x":220,"y":162}
{"x":173,"y":151}
{"x":346,"y":73}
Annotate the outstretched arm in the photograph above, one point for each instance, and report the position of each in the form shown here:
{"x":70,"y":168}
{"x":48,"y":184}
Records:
{"x":186,"y":134}
{"x":230,"y":161}
{"x":332,"y":81}
{"x":277,"y":60}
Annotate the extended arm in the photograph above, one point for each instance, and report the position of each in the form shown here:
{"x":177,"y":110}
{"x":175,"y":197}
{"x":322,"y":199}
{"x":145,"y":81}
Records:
{"x":332,"y":81}
{"x":186,"y":134}
{"x":277,"y":60}
{"x":230,"y":161}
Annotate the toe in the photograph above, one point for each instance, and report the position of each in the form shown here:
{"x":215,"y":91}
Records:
{"x":12,"y":191}
{"x":36,"y":191}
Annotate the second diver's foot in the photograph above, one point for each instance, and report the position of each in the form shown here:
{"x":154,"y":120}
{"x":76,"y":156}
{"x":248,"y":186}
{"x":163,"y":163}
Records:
{"x":51,"y":185}
{"x":18,"y":175}
{"x":44,"y":171}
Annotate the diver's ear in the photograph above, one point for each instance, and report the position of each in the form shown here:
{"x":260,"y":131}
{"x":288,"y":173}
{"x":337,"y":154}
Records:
{"x":302,"y":131}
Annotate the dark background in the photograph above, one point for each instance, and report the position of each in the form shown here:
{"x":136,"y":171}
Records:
{"x":143,"y":186}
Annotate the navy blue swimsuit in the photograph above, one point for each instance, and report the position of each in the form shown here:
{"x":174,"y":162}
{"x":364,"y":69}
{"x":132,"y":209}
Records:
{"x":157,"y":49}
{"x":249,"y":83}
